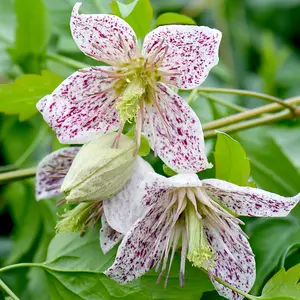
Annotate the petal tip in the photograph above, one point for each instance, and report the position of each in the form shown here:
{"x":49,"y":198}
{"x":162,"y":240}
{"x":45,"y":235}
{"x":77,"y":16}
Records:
{"x":76,"y":8}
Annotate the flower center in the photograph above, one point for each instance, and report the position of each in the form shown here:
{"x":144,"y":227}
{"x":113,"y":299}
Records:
{"x":129,"y":104}
{"x":189,"y":214}
{"x":200,"y":253}
{"x":136,"y":83}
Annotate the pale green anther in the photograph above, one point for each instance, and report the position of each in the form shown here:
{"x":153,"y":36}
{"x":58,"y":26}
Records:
{"x":74,"y":219}
{"x":98,"y":170}
{"x":200,"y":253}
{"x":128,"y":105}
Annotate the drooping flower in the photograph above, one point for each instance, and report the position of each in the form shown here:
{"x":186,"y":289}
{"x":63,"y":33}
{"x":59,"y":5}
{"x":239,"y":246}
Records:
{"x":98,"y":171}
{"x":134,"y":88}
{"x":51,"y":172}
{"x":197,"y":213}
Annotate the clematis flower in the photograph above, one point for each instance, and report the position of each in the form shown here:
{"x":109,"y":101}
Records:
{"x":134,"y":87}
{"x":51,"y":172}
{"x":197,"y":213}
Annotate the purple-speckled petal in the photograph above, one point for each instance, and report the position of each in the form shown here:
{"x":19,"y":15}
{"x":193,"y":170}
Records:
{"x":51,"y":172}
{"x":140,"y":249}
{"x":235,"y":261}
{"x":248,"y":201}
{"x":82,"y":106}
{"x":104,"y":37}
{"x":142,"y":245}
{"x":175,"y":133}
{"x":191,"y":51}
{"x":125,"y":208}
{"x":108,"y":236}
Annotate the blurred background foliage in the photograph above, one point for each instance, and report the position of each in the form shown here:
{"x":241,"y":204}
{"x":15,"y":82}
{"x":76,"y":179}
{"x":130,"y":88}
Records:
{"x":260,"y":51}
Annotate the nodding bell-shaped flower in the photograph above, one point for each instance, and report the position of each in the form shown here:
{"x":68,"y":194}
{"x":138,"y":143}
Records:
{"x":99,"y":171}
{"x":134,"y":88}
{"x":101,"y":181}
{"x":198,"y":214}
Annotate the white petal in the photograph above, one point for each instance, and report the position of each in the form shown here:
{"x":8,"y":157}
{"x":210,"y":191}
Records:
{"x":235,"y":262}
{"x":175,"y":133}
{"x":51,"y":172}
{"x":191,"y":51}
{"x":82,"y":106}
{"x":248,"y":201}
{"x":125,"y":208}
{"x":104,"y":37}
{"x":108,"y":236}
{"x":139,"y":250}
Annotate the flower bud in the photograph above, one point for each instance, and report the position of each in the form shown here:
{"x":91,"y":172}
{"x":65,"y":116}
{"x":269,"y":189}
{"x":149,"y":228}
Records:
{"x":98,"y":170}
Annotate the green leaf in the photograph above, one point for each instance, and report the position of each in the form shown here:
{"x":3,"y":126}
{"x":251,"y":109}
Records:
{"x":173,"y":18}
{"x":231,"y":161}
{"x":74,"y":269}
{"x":271,"y":165}
{"x":32,"y":34}
{"x":21,"y":96}
{"x":70,"y":252}
{"x":284,"y":283}
{"x":138,"y":14}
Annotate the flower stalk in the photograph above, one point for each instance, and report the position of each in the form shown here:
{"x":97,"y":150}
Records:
{"x":8,"y":291}
{"x":251,"y":113}
{"x":283,"y":115}
{"x":17,"y":175}
{"x":250,"y":94}
{"x":222,"y":102}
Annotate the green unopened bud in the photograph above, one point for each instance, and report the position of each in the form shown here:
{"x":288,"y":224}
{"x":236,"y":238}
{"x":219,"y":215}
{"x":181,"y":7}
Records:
{"x":98,"y":170}
{"x":200,"y":253}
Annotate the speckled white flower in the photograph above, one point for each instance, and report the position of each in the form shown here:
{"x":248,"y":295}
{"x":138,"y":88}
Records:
{"x":51,"y":172}
{"x":183,"y":208}
{"x":134,"y":88}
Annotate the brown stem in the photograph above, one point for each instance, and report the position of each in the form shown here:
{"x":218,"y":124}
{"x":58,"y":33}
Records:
{"x":250,"y":114}
{"x":283,"y":115}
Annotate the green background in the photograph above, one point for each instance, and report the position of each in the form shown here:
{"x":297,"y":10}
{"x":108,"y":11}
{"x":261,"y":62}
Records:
{"x":259,"y":51}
